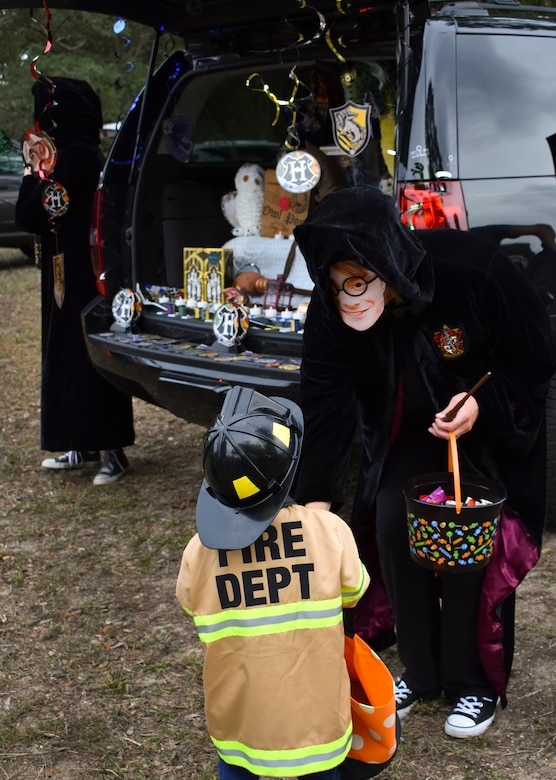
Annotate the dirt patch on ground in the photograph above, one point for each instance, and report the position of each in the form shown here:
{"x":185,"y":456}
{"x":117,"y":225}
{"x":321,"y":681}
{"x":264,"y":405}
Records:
{"x":100,"y":671}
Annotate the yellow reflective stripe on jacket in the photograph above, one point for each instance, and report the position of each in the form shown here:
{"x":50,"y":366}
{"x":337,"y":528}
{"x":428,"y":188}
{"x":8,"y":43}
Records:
{"x":354,"y":594}
{"x":315,"y":758}
{"x":275,"y":619}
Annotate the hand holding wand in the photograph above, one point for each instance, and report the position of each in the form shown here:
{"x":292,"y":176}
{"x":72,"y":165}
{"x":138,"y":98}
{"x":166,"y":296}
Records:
{"x":451,"y":413}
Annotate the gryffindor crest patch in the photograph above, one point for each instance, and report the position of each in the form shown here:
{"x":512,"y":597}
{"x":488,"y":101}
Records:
{"x":450,"y":341}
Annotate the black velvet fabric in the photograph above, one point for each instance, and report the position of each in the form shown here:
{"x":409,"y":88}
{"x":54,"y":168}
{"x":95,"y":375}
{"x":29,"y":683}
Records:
{"x":350,"y":378}
{"x":362,"y":224}
{"x":80,"y":410}
{"x":69,"y":110}
{"x":466,"y":310}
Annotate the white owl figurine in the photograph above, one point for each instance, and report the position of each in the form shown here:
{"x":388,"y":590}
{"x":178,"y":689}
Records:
{"x":243,"y":208}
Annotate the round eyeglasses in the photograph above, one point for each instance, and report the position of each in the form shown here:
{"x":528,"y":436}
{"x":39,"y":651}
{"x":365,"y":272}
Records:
{"x":353,"y":286}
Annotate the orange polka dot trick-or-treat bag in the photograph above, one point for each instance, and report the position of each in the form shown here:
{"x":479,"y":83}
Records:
{"x":373,"y":706}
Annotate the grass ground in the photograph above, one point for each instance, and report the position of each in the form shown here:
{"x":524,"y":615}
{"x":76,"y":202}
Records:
{"x":100,"y":672}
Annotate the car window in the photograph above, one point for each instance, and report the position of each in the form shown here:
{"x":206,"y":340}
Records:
{"x":241,"y":115}
{"x":239,"y":109}
{"x":229,"y":118}
{"x":506,"y":93}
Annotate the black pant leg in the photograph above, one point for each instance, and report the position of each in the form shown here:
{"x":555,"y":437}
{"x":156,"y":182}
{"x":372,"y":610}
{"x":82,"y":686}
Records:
{"x":412,"y":589}
{"x":436,"y":615}
{"x":461,"y":667}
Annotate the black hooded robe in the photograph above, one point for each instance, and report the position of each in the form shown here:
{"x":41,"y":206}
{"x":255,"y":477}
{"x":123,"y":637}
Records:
{"x":80,"y":410}
{"x":453,"y":284}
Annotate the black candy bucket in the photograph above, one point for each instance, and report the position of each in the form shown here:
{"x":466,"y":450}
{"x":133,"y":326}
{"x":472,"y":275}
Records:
{"x":440,"y":537}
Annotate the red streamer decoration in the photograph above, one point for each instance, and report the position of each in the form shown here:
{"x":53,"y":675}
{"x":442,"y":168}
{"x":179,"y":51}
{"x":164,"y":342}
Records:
{"x":36,"y":74}
{"x":56,"y":198}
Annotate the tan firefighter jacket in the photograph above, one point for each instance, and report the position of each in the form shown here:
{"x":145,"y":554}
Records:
{"x":277,"y":693}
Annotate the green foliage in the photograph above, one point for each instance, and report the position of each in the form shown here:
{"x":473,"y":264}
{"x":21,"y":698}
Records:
{"x":84,"y":46}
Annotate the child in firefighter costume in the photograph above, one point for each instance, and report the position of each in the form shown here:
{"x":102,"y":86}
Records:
{"x":400,"y":325}
{"x":266,"y":581}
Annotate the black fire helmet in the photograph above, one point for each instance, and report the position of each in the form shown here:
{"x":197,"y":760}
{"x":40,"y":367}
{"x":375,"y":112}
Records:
{"x":250,"y":458}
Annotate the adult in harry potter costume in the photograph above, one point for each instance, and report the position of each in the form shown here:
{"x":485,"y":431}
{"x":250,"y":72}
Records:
{"x":81,"y":413}
{"x":401,"y":324}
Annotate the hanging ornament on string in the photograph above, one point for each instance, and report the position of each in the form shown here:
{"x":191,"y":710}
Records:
{"x":323,"y":29}
{"x":297,"y":170}
{"x":118,"y":28}
{"x":257,"y":83}
{"x":38,"y":149}
{"x":49,"y":39}
{"x":55,"y":199}
{"x":303,"y":40}
{"x":39,"y":152}
{"x":125,"y":66}
{"x":334,"y":33}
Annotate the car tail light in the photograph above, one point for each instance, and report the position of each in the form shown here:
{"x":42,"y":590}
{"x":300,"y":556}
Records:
{"x":95,"y":243}
{"x":432,"y":204}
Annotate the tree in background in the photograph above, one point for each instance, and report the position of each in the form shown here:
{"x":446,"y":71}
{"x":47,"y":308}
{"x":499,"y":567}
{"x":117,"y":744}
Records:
{"x":84,"y":46}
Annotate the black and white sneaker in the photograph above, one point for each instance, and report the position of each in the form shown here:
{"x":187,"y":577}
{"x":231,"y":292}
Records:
{"x":114,"y":466}
{"x":72,"y":460}
{"x":406,"y":699}
{"x":471,"y":716}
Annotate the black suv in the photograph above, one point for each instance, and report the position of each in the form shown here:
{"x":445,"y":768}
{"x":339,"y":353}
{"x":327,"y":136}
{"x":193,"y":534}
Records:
{"x":461,"y":128}
{"x":254,"y":80}
{"x":450,"y":106}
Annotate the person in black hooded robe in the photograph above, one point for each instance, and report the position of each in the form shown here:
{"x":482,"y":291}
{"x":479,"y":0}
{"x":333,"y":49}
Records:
{"x":81,"y":413}
{"x":392,"y":341}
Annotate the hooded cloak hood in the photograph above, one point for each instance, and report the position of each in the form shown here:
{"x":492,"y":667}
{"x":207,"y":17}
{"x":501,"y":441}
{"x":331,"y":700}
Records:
{"x":362,"y":224}
{"x":69,"y":110}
